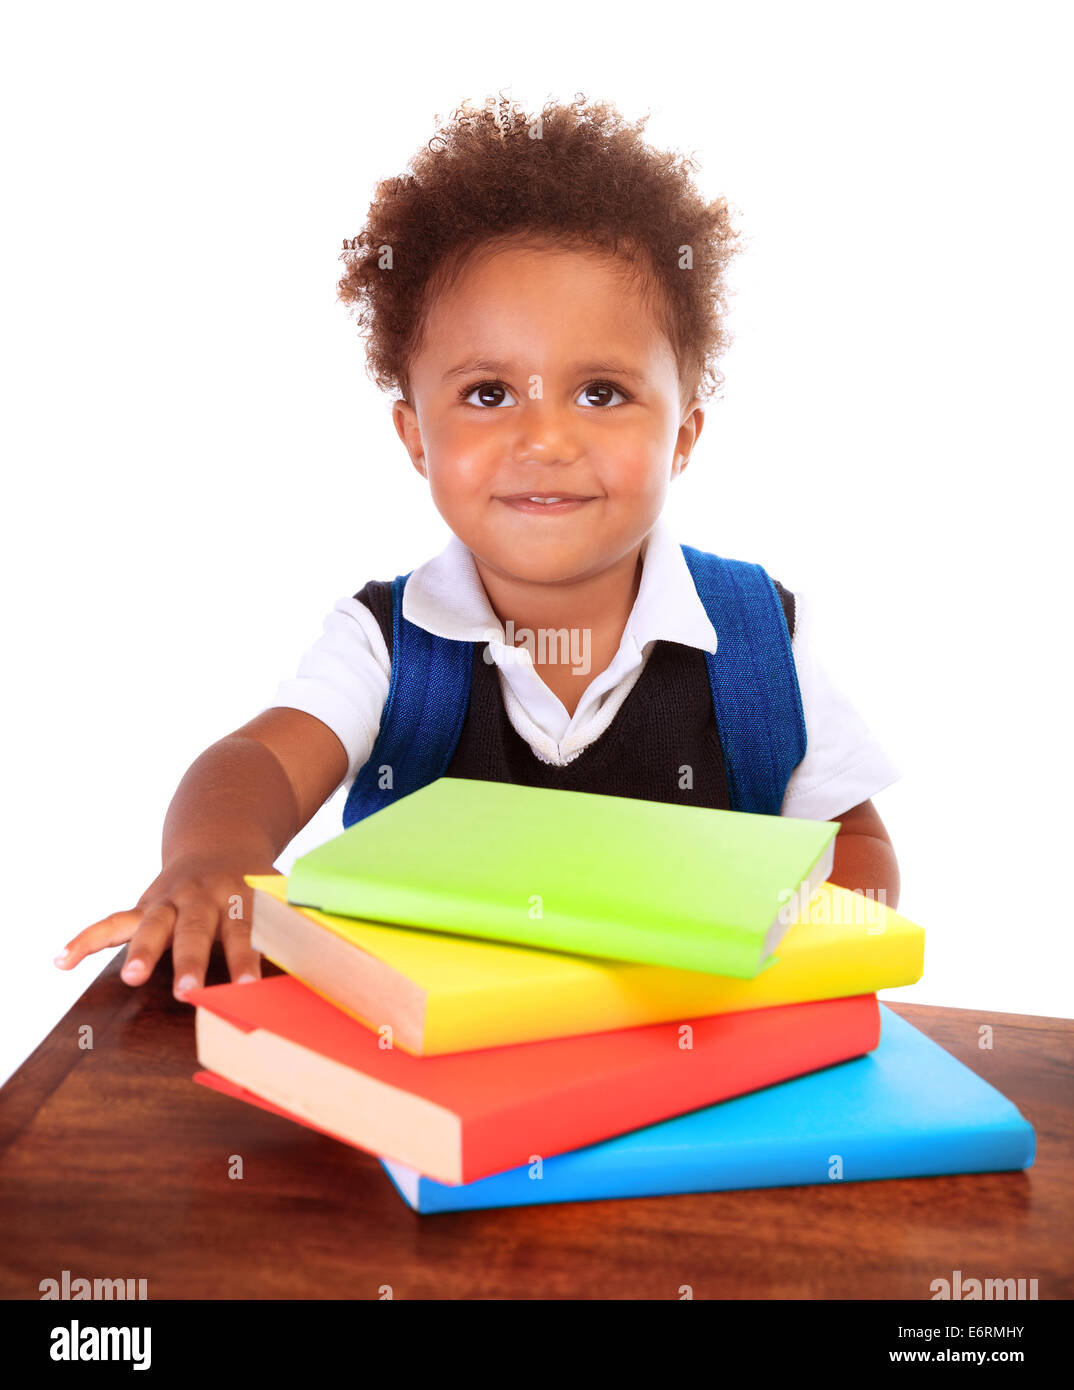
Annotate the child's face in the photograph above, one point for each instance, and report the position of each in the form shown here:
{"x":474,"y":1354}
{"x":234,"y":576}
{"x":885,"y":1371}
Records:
{"x":534,"y":329}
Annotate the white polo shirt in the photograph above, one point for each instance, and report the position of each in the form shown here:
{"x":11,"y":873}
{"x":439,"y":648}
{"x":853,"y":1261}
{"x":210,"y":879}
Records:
{"x":343,"y":678}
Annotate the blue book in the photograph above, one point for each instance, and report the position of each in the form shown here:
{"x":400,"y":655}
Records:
{"x":908,"y":1109}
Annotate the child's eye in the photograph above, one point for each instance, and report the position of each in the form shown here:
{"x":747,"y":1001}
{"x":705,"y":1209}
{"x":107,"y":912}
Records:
{"x":484,"y":388}
{"x":604,"y":386}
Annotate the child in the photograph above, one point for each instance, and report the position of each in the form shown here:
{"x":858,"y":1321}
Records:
{"x":547,"y":300}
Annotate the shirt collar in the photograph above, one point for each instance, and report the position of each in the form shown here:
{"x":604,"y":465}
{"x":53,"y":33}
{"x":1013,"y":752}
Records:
{"x":445,"y":596}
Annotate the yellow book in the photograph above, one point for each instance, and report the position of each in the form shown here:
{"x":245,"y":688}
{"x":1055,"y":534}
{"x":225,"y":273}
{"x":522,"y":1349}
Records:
{"x":438,"y":993}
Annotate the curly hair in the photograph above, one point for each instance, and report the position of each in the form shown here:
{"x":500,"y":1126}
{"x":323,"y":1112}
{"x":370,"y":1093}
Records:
{"x":579,"y":176}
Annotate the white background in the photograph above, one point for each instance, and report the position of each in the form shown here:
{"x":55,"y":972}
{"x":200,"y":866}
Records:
{"x":197,"y":465}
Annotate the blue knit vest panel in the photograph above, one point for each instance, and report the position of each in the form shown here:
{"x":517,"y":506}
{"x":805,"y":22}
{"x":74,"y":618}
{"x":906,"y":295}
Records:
{"x":754,"y":682}
{"x":753,"y":690}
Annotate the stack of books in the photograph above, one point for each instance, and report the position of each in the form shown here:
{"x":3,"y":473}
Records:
{"x":515,"y":995}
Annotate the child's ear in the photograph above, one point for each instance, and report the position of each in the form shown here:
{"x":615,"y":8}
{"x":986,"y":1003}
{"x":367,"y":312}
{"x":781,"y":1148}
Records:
{"x":689,"y":431}
{"x":405,"y":419}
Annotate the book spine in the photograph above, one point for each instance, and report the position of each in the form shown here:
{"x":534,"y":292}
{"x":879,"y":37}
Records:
{"x":720,"y":950}
{"x":590,"y":1175}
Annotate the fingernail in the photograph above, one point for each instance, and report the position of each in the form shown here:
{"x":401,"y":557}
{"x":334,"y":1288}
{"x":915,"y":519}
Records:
{"x":133,"y":970}
{"x":246,"y":979}
{"x":186,"y":983}
{"x":59,"y":960}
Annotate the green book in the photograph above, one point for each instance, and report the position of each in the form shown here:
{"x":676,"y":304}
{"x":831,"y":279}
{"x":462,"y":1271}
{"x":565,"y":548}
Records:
{"x":681,"y":886}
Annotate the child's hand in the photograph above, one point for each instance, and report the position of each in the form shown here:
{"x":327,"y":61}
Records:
{"x":186,"y":906}
{"x":240,"y":803}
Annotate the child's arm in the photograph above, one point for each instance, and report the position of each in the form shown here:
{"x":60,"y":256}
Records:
{"x":236,"y":809}
{"x":864,"y":856}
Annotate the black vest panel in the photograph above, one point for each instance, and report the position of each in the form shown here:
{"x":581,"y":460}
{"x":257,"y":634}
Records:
{"x":662,"y":745}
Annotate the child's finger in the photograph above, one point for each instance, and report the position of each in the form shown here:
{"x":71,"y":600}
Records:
{"x":243,"y":962}
{"x":195,"y":928}
{"x":149,"y":942}
{"x":112,"y":930}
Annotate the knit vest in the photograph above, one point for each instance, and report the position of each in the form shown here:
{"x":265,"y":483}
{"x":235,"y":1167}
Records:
{"x":663,"y":744}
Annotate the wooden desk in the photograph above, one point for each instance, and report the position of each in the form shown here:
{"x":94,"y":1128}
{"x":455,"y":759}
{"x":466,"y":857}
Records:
{"x":113,"y":1163}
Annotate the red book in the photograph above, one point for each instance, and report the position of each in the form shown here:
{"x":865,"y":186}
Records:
{"x":466,"y":1115}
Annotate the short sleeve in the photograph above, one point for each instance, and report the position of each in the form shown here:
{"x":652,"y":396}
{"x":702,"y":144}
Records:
{"x":844,"y":763}
{"x":343,"y":680}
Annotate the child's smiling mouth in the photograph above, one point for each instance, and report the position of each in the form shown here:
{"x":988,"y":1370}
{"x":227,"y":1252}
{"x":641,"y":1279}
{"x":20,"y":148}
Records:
{"x":547,"y":502}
